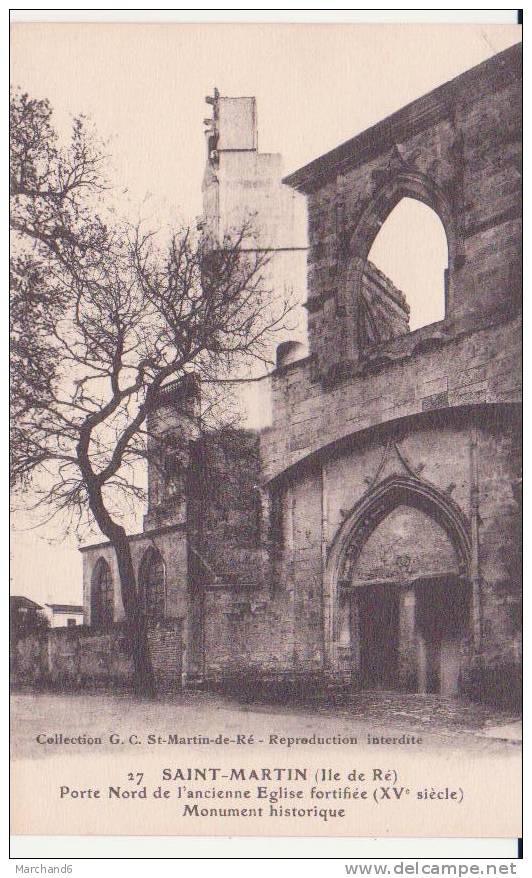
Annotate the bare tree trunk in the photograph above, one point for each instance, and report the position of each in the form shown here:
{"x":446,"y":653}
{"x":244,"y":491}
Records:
{"x":137,"y":628}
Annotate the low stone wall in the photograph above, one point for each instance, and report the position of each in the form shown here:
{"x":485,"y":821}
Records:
{"x":82,"y":658}
{"x":165,"y":640}
{"x":28,"y":658}
{"x":498,"y":685}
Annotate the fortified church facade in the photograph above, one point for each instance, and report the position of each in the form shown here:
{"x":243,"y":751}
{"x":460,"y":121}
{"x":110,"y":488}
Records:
{"x":367,"y":532}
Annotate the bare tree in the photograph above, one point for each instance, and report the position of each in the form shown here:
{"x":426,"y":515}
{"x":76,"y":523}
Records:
{"x":57,"y":235}
{"x":129,"y":315}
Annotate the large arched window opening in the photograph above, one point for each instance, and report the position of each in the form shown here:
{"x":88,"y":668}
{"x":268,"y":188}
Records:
{"x":102,"y":596}
{"x":152,"y":584}
{"x":411,"y":250}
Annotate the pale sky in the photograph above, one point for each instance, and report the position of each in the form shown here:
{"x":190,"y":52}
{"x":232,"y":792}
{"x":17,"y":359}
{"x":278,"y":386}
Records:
{"x":144,"y":85}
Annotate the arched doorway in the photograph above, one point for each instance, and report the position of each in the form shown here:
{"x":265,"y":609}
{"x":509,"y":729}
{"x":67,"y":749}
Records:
{"x":400,"y":592}
{"x":102,"y":595}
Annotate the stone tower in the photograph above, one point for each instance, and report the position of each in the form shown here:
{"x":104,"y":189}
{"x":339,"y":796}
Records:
{"x":171,"y":426}
{"x":242,"y":185}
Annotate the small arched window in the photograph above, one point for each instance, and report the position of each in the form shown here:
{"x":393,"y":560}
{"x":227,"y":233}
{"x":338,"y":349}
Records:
{"x":102,"y":596}
{"x":152,"y":584}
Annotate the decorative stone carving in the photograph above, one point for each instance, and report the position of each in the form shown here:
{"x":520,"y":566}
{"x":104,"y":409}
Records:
{"x":395,"y":490}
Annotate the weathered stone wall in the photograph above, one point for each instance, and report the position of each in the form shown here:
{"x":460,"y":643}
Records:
{"x":171,"y":427}
{"x":458,"y":150}
{"x":481,"y":366}
{"x":431,"y":405}
{"x":307,"y":563}
{"x":166,"y":645}
{"x":386,"y":310}
{"x":224,"y":511}
{"x":433,"y":414}
{"x":409,"y":547}
{"x":27,"y":659}
{"x":246,"y":634}
{"x":232,"y":562}
{"x":436,"y":448}
{"x":282,"y":628}
{"x":80,"y":657}
{"x":500,"y":542}
{"x":407,"y":543}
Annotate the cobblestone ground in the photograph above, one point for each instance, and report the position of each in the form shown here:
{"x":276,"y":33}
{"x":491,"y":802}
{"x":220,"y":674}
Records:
{"x":429,"y":711}
{"x":441,"y":722}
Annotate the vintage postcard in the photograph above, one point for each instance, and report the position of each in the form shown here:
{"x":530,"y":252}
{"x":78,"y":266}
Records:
{"x":266,"y":429}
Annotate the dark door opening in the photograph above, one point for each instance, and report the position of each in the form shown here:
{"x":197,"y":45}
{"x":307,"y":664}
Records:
{"x":379,"y":630}
{"x":442,"y":613}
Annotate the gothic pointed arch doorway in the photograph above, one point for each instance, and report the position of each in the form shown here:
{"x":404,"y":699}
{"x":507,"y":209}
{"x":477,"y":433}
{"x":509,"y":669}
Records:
{"x":399,"y":591}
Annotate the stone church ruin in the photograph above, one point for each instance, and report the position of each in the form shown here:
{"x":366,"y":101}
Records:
{"x":366,"y":528}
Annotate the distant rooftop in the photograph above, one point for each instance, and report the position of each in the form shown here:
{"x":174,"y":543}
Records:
{"x":18,"y":601}
{"x":65,"y":608}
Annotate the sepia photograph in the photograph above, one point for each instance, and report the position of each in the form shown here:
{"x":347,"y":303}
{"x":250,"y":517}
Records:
{"x":266,"y":524}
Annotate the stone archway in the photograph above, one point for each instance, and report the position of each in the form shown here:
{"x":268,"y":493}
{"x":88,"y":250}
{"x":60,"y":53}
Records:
{"x":398,"y":597}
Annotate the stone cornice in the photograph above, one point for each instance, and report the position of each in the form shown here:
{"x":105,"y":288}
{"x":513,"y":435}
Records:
{"x":147,"y":534}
